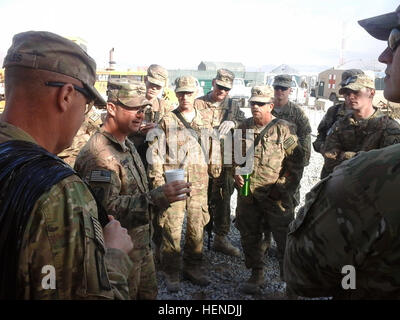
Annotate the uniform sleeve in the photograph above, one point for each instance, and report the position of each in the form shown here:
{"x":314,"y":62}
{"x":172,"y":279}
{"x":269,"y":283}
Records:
{"x":63,"y":239}
{"x":239,"y":117}
{"x":304,"y":135}
{"x":333,"y":153}
{"x":323,"y":127}
{"x":156,"y":168}
{"x":391,"y":135}
{"x":292,"y":164}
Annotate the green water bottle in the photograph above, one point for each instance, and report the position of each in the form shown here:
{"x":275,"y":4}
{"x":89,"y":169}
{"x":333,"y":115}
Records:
{"x":244,"y":191}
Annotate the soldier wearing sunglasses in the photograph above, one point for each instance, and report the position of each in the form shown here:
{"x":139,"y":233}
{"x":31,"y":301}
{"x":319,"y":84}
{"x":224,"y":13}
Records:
{"x":277,"y":170}
{"x":112,"y":166}
{"x":49,"y":217}
{"x":345,"y":242}
{"x":218,"y":108}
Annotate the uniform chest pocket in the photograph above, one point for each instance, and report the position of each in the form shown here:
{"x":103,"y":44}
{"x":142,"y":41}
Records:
{"x":269,"y":151}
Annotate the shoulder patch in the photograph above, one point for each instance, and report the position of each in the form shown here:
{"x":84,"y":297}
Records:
{"x":288,"y":143}
{"x":100,"y":176}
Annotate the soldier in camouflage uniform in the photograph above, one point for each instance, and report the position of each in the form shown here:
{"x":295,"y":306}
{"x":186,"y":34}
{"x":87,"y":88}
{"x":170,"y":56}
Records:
{"x":365,"y":129}
{"x":110,"y":163}
{"x":92,"y":122}
{"x":289,"y":111}
{"x":49,"y":81}
{"x":277,"y":170}
{"x":224,"y":115}
{"x":179,"y":142}
{"x":156,"y":80}
{"x":351,"y":217}
{"x":334,"y":113}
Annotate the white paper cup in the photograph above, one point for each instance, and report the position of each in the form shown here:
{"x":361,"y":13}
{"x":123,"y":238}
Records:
{"x":175,"y":175}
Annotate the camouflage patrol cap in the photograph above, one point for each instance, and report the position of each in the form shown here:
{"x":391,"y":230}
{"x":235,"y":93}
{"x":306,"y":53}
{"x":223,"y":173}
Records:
{"x":157,"y":75}
{"x":380,"y":26}
{"x":225,"y":78}
{"x":129,"y":93}
{"x":48,"y":51}
{"x":185,"y":84}
{"x":357,"y":82}
{"x":283,"y":80}
{"x":261,"y":94}
{"x":348,"y":73}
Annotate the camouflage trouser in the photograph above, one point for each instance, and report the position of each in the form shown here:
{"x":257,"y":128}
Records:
{"x":253,"y":217}
{"x":220,"y":198}
{"x":171,"y":223}
{"x":142,"y":279}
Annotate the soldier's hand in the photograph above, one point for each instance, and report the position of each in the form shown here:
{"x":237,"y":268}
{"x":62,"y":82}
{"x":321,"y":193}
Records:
{"x":117,"y":237}
{"x":176,"y":190}
{"x":147,"y":127}
{"x":239,"y":180}
{"x":225,"y":127}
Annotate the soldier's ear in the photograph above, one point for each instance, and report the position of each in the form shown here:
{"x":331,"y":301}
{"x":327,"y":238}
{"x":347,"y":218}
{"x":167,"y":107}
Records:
{"x":372,"y":93}
{"x":111,"y":109}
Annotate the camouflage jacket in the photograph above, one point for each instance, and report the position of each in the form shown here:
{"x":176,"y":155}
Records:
{"x":333,"y":114}
{"x":349,"y":136}
{"x":278,"y":159}
{"x":61,"y":232}
{"x":92,"y":122}
{"x":179,"y":147}
{"x":294,"y":114}
{"x":118,"y":178}
{"x":215,"y":114}
{"x":349,"y":219}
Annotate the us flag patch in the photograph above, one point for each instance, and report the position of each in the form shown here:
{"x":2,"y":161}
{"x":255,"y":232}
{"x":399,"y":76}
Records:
{"x":100,"y":176}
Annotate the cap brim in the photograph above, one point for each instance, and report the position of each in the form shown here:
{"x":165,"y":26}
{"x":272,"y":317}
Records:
{"x":281,"y":84}
{"x":155,"y":81}
{"x":186,"y":89}
{"x":99,"y":100}
{"x":380,"y":26}
{"x":352,"y":86}
{"x":136,"y":102}
{"x":260,"y":99}
{"x":224,"y":84}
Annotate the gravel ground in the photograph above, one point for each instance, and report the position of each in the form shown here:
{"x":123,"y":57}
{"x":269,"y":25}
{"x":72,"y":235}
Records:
{"x":228,"y":273}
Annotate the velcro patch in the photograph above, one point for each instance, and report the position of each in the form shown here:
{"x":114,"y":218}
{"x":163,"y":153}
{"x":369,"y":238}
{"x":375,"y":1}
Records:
{"x":100,"y":176}
{"x":98,"y":231}
{"x":288,"y":143}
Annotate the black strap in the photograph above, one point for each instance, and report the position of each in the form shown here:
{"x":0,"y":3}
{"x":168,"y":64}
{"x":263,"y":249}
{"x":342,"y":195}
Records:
{"x":27,"y":172}
{"x":188,"y":126}
{"x":264,"y":131}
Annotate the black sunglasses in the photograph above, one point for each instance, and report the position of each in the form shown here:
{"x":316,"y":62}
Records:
{"x":281,"y":88}
{"x":83,"y":91}
{"x":394,"y":39}
{"x":256,"y":103}
{"x":223,"y":88}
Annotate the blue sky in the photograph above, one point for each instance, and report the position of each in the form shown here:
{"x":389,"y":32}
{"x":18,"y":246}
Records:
{"x":181,"y":34}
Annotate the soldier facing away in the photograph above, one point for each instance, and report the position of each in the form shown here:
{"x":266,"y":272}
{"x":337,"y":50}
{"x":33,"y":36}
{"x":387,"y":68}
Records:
{"x":112,"y":166}
{"x":49,"y":218}
{"x":277,"y":170}
{"x":365,"y":129}
{"x":223,"y":115}
{"x":349,"y":225}
{"x":183,"y":151}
